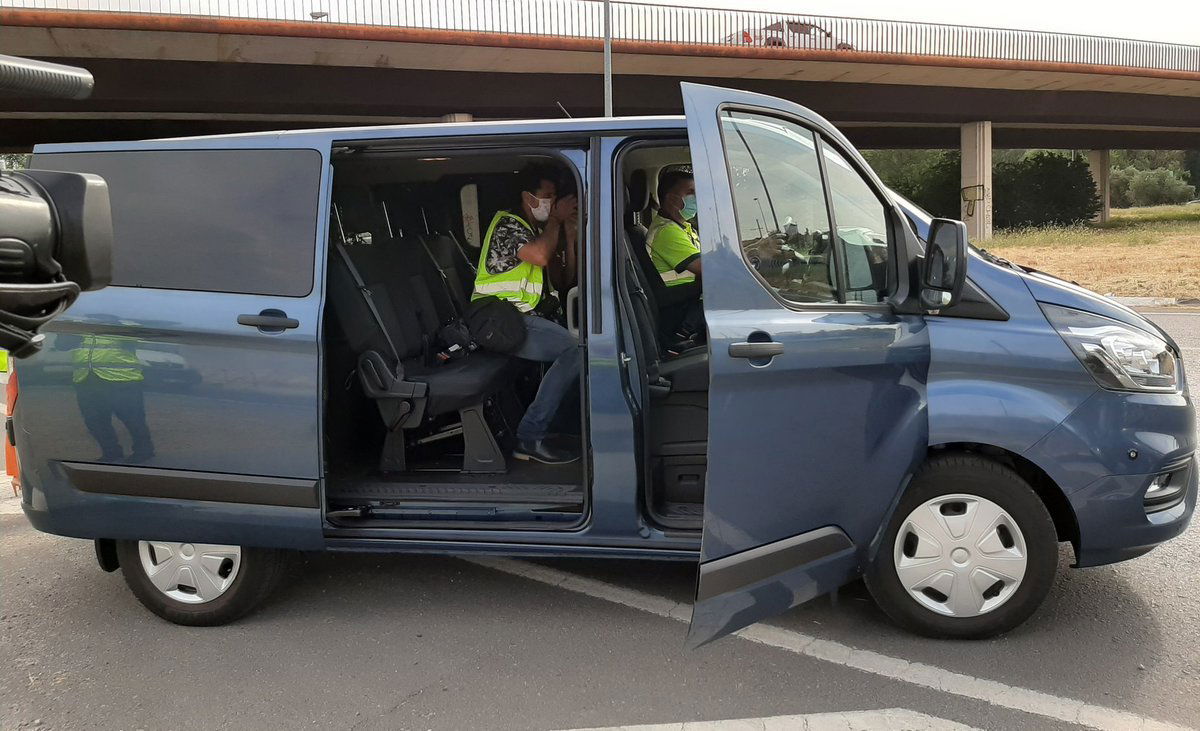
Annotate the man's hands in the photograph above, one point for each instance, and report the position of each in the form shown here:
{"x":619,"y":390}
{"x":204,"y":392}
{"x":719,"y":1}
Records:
{"x":540,"y":251}
{"x":768,"y":247}
{"x":565,"y":208}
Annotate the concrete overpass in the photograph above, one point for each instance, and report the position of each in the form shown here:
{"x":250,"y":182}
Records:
{"x":887,"y":84}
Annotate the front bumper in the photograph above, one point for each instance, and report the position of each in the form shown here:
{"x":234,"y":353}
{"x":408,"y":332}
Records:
{"x":1105,"y":455}
{"x":1113,"y":522}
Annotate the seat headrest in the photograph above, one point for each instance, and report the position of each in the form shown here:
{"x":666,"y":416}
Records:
{"x":639,"y":192}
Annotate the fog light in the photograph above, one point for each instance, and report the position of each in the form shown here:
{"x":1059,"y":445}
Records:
{"x":1166,"y":490}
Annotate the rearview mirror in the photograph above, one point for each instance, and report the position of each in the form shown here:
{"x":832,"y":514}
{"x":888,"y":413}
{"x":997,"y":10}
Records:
{"x":945,"y":266}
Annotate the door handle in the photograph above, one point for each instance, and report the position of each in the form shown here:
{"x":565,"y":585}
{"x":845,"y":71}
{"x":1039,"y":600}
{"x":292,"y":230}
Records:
{"x":269,"y":321}
{"x":769,"y":349}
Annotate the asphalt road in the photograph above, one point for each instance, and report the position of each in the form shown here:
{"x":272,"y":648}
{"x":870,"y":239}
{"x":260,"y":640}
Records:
{"x":381,"y":642}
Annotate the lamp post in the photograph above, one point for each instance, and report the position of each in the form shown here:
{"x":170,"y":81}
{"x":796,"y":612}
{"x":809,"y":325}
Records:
{"x":608,"y":102}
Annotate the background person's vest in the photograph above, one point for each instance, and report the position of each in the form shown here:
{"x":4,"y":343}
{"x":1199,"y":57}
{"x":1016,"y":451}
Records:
{"x":110,"y":357}
{"x":521,"y":285}
{"x":669,"y":276}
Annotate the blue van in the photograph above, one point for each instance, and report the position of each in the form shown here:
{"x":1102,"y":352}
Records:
{"x":871,"y":398}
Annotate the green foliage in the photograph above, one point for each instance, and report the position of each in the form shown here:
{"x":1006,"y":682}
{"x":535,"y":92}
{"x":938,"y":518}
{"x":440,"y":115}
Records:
{"x":1159,"y":187}
{"x":1191,"y":166}
{"x":1118,"y":186}
{"x":1031,"y":188}
{"x":10,"y":161}
{"x":1148,"y":159}
{"x":1043,"y":189}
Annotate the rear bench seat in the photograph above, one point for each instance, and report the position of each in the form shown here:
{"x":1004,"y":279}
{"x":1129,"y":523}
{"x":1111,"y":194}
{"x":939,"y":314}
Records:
{"x":394,"y":339}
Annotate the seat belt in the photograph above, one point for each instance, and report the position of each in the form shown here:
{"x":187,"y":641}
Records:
{"x":463,"y":253}
{"x":445,"y":278}
{"x":366,"y":293}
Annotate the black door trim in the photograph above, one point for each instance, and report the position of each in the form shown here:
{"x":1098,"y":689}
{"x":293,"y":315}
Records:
{"x":189,"y":485}
{"x":740,"y":570}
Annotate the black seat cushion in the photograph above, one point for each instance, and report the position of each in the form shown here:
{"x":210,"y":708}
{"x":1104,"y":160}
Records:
{"x":687,"y":371}
{"x":461,"y":383}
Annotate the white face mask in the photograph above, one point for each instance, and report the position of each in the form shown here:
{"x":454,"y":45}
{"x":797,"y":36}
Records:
{"x":541,"y":211}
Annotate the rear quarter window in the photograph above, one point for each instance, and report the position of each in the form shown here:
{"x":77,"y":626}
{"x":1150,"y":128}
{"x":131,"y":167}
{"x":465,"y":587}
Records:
{"x":241,"y":221}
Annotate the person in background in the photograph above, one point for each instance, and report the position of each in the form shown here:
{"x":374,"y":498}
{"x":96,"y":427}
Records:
{"x":674,"y":244}
{"x":517,"y":249}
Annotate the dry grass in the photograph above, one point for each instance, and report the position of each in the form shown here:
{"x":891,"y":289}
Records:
{"x":1141,"y":252}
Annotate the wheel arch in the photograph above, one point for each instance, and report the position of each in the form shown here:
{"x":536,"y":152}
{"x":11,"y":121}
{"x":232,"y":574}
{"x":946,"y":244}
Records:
{"x":1051,"y":494}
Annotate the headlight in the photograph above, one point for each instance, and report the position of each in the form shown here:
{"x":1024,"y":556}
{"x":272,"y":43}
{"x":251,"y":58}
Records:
{"x":1118,"y":356}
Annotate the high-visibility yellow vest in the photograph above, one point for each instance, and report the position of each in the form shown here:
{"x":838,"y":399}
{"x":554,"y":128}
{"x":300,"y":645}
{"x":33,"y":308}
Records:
{"x":521,"y":285}
{"x":665,"y":270}
{"x":110,"y":357}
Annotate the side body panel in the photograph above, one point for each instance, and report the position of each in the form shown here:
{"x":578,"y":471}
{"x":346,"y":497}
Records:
{"x":1004,"y":383}
{"x":230,"y":412}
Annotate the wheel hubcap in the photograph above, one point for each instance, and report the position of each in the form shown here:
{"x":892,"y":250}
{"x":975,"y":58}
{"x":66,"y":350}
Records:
{"x":960,"y":555}
{"x":192,"y":573}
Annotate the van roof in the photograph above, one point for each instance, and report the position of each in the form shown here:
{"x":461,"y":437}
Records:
{"x":327,"y":135}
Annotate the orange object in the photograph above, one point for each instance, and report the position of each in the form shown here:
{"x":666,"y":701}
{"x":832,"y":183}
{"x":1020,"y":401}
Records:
{"x":11,"y":465}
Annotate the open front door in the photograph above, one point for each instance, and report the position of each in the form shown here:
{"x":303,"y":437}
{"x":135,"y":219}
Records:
{"x":817,"y":392}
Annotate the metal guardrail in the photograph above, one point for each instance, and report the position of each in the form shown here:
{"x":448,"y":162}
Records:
{"x":672,"y":24}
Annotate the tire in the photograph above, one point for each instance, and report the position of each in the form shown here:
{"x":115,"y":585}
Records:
{"x":250,"y":575}
{"x":948,"y":494}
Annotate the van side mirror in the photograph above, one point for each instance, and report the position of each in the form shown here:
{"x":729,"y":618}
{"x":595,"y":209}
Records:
{"x":944,"y":270}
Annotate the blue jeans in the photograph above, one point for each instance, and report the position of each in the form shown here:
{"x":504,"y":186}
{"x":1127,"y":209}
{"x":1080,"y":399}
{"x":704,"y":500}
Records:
{"x":547,"y":341}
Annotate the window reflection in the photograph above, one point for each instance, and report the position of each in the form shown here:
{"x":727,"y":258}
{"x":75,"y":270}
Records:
{"x":779,"y":201}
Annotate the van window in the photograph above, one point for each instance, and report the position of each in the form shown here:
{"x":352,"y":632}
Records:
{"x":240,"y":221}
{"x":779,"y":203}
{"x":862,"y":227}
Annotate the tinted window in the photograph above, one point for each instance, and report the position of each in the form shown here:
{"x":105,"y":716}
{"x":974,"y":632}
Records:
{"x":783,"y":222}
{"x":862,"y":227}
{"x":216,"y":220}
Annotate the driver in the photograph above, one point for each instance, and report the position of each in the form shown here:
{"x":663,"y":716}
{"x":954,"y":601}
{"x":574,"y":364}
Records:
{"x":674,"y":244}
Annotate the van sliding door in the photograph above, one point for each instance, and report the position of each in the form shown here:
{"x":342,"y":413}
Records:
{"x":211,"y":323}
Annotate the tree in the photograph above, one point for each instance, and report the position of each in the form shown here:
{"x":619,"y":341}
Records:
{"x":1191,"y":166}
{"x":1158,"y":187}
{"x":1044,"y":189}
{"x":11,"y":161}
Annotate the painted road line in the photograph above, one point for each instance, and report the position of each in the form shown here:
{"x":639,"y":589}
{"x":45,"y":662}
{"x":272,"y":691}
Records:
{"x":887,"y":719}
{"x":1012,"y":697}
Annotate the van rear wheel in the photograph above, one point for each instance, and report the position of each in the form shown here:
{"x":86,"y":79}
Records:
{"x":970,"y":552}
{"x":198,"y":584}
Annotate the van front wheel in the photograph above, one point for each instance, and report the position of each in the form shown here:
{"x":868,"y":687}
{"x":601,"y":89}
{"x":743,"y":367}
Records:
{"x":198,"y":584}
{"x":970,"y":553}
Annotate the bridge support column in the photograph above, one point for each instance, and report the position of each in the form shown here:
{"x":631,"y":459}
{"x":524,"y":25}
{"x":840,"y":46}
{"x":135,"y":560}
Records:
{"x":1098,"y":161}
{"x":976,"y":195}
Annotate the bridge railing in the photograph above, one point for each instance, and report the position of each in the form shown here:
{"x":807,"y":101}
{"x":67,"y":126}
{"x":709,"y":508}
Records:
{"x":676,"y":25}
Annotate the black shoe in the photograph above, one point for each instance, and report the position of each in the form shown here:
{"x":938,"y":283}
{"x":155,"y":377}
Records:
{"x":140,"y":457}
{"x":540,"y":450}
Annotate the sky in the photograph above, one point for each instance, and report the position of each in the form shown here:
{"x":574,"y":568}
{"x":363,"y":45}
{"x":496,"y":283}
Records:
{"x":1172,"y":21}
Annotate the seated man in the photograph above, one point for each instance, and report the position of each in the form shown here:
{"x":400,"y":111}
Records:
{"x":517,"y":248}
{"x":674,"y":245}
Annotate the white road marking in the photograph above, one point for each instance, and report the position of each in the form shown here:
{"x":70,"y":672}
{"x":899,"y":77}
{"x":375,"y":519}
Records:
{"x":887,"y":719}
{"x":1011,"y":697}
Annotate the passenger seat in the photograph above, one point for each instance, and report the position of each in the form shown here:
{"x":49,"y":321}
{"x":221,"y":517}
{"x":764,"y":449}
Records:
{"x":671,"y":302}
